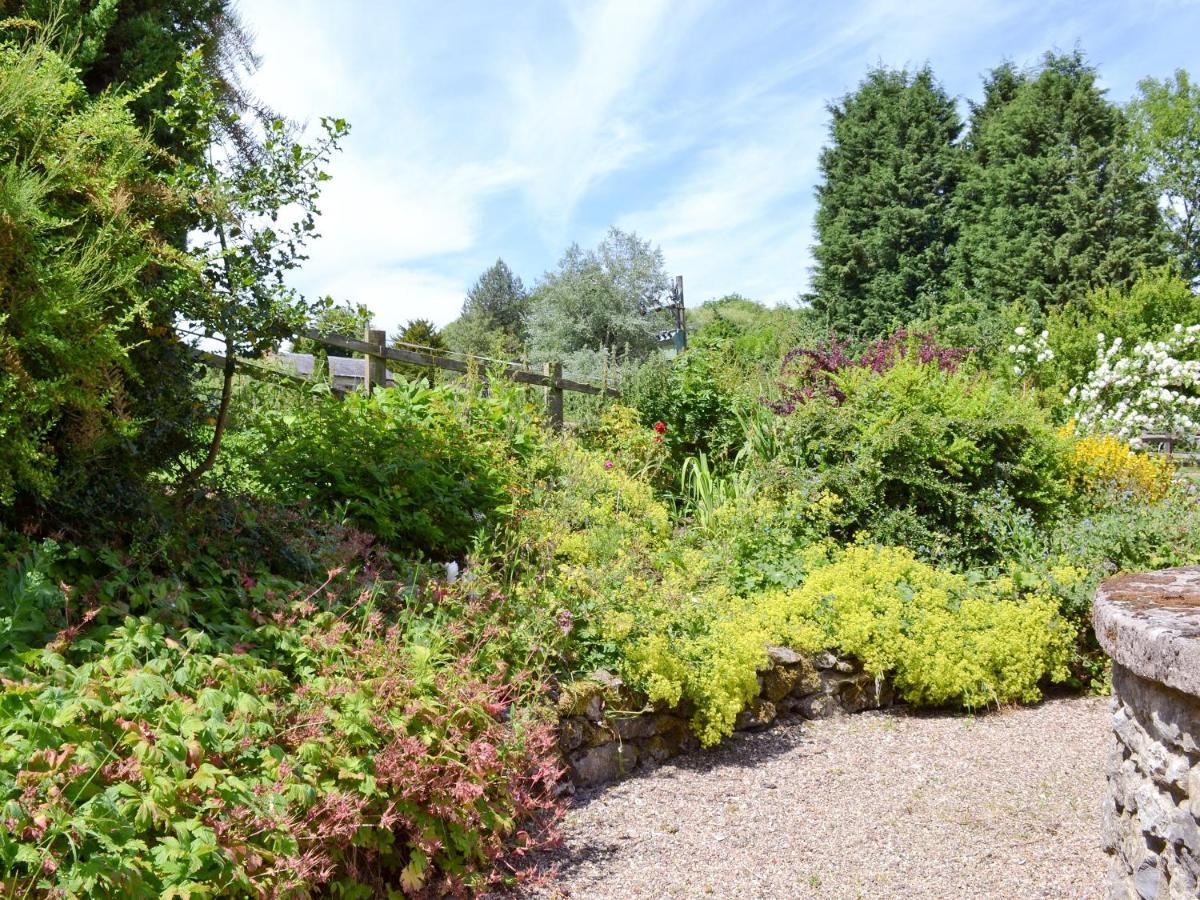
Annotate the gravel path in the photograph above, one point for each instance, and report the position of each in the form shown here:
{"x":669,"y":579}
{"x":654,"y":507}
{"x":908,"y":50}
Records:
{"x":877,"y":805}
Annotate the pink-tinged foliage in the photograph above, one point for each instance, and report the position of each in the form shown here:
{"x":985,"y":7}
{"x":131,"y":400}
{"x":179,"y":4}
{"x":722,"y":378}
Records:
{"x":811,"y":372}
{"x":346,"y":755}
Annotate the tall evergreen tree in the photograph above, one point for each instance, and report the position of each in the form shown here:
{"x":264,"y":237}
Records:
{"x":882,"y":219}
{"x":1050,"y":203}
{"x":423,"y":334}
{"x":499,"y":297}
{"x":139,"y":44}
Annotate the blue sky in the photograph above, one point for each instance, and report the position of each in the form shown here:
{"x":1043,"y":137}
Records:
{"x":485,"y":129}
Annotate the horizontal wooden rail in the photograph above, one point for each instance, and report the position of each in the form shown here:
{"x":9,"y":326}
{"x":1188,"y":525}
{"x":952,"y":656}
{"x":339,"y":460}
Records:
{"x":417,"y":358}
{"x":253,"y":370}
{"x":377,"y":353}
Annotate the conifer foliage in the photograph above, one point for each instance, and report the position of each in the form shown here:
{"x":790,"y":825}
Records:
{"x":883,"y":224}
{"x":1050,"y":204}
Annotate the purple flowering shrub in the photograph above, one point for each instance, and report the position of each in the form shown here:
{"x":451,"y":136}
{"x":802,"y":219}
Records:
{"x":809,"y":372}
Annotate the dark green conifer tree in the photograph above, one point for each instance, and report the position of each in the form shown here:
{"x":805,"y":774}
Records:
{"x":883,"y":228}
{"x":499,"y":297}
{"x":1050,"y":204}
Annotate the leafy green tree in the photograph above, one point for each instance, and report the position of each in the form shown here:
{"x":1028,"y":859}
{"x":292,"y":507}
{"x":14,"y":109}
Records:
{"x":346,"y":319}
{"x":883,"y":224}
{"x":499,"y":297}
{"x":1050,"y":204}
{"x":600,"y":300}
{"x":1166,"y":140}
{"x":254,"y":218}
{"x":476,"y":335}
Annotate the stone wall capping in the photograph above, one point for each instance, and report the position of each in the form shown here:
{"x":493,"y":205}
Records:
{"x":1150,"y":623}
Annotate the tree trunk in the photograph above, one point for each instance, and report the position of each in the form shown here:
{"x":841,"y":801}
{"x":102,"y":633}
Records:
{"x":214,"y":446}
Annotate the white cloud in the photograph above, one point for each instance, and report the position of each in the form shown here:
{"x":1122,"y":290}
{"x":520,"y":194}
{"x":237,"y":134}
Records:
{"x":403,"y":210}
{"x":511,"y":130}
{"x":741,"y":221}
{"x":401,"y":195}
{"x":397,"y":294}
{"x":573,"y":127}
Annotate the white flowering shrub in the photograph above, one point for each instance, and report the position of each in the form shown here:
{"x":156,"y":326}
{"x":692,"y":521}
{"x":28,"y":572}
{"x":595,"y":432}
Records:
{"x":1153,"y":388}
{"x":1030,"y":353}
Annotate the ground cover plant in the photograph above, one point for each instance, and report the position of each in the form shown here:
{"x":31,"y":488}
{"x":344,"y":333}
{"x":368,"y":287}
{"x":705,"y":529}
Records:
{"x":232,"y":731}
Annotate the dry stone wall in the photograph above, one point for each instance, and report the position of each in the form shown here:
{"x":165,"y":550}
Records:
{"x":602,"y":739}
{"x":1150,"y":625}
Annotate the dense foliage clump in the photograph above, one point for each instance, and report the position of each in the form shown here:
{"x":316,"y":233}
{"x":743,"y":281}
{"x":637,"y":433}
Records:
{"x":422,"y":469}
{"x":924,"y":457}
{"x":88,"y":371}
{"x":266,"y":739}
{"x":884,"y":220}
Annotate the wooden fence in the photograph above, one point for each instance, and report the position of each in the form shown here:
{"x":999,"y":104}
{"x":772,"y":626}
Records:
{"x":376,"y":355}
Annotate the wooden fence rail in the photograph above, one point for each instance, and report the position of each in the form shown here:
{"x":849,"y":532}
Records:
{"x":377,"y":353}
{"x":417,"y":358}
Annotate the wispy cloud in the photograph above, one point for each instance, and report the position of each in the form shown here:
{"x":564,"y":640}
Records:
{"x":576,"y":123}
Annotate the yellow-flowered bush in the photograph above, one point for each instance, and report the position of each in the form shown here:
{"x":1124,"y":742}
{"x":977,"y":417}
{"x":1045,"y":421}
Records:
{"x":944,"y":638}
{"x":704,"y":648}
{"x":1103,"y":463}
{"x":619,"y":434}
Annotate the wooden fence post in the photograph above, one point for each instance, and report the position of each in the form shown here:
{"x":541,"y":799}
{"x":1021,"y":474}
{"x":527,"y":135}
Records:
{"x":554,"y":394}
{"x":375,"y":373}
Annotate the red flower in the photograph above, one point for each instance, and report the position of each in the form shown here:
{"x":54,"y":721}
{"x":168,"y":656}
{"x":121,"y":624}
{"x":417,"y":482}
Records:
{"x":660,"y":427}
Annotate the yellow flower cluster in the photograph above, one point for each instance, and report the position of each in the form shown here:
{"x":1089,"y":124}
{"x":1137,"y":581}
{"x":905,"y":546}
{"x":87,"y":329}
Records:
{"x":1099,"y":463}
{"x":944,"y":637}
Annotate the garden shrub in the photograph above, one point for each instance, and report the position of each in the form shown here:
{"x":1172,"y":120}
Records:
{"x":944,"y":637}
{"x":759,"y":541}
{"x":810,"y":372}
{"x":421,"y":468}
{"x":919,"y":456}
{"x":1149,"y":388}
{"x":1145,"y":311}
{"x":589,"y":512}
{"x":581,"y":533}
{"x":1118,"y":531}
{"x":328,"y":742}
{"x":1126,"y":535}
{"x":618,"y":433}
{"x":704,"y":650}
{"x":696,"y":398}
{"x":1104,"y":464}
{"x":93,"y":393}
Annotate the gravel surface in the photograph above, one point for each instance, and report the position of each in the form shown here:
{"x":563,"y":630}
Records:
{"x":877,"y":805}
